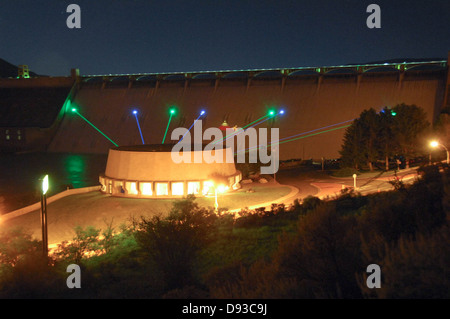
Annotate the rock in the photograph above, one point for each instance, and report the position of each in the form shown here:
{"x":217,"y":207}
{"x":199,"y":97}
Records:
{"x":246,"y":181}
{"x":253,"y":175}
{"x":262,"y":180}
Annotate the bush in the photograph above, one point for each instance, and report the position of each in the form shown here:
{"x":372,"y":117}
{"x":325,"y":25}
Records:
{"x":173,"y":242}
{"x":325,"y":253}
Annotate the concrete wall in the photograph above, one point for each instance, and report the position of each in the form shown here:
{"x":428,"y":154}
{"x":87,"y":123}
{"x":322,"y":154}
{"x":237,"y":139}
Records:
{"x":311,"y":102}
{"x":158,"y":166}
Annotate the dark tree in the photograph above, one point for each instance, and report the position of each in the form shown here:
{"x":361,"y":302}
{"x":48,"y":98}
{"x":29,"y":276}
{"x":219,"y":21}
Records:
{"x":408,"y":126}
{"x":374,"y":136}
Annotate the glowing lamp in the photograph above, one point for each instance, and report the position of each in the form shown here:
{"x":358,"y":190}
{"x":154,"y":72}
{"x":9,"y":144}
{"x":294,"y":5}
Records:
{"x":44,"y":187}
{"x":135,"y":112}
{"x":74,"y":110}
{"x":222,"y":188}
{"x":202,"y":112}
{"x":271,"y":113}
{"x":172,"y":111}
{"x":434,"y":144}
{"x":281,"y":112}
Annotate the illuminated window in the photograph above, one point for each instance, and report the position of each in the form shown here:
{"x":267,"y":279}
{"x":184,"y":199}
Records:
{"x":193,"y":188}
{"x":118,"y":186}
{"x":162,"y":189}
{"x":146,"y":189}
{"x":131,"y":188}
{"x":208,"y":187}
{"x":178,"y":188}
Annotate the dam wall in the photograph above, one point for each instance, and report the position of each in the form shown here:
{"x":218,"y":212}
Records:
{"x":313,"y":103}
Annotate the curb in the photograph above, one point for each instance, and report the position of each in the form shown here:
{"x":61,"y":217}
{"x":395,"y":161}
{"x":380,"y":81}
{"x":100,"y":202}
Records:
{"x":37,"y":206}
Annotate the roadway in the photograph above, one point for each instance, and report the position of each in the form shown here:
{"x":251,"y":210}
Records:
{"x":321,"y":184}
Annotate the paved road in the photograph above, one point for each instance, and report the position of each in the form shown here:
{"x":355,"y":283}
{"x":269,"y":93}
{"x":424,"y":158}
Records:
{"x":317,"y":183}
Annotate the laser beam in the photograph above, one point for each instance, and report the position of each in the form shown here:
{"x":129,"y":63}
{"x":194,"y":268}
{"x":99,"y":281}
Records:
{"x":135,"y":112}
{"x":240,"y":129}
{"x":299,"y":136}
{"x":201,"y":114}
{"x":172,"y":112}
{"x":74,"y":110}
{"x":266,"y":118}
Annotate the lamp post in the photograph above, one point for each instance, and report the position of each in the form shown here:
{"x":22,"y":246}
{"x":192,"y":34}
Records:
{"x":44,"y":189}
{"x":435,"y":144}
{"x":216,"y":204}
{"x":218,"y":189}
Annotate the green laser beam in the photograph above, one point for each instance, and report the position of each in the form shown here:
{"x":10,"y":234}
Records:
{"x":297,"y":138}
{"x":76,"y":111}
{"x":241,"y":129}
{"x":167,"y":128}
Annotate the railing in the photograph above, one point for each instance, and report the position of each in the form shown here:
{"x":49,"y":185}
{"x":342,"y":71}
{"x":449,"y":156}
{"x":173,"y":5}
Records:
{"x":269,"y":73}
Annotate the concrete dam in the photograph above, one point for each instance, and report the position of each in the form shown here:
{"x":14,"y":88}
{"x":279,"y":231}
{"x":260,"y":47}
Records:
{"x":318,"y":103}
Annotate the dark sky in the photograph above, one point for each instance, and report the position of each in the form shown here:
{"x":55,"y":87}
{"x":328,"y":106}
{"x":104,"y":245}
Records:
{"x":134,"y":36}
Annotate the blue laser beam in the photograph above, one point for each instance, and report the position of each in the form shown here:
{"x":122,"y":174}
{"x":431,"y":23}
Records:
{"x":135,"y":112}
{"x":271,"y":114}
{"x":203,"y":112}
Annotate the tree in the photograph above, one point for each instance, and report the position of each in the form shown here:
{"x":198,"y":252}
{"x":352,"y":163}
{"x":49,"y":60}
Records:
{"x":360,"y":140}
{"x":350,"y":152}
{"x":380,"y":135}
{"x":369,"y":126}
{"x":386,"y":142}
{"x":407,"y":127}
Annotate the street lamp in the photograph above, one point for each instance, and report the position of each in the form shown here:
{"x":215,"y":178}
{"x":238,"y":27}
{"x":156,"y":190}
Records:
{"x":218,"y":189}
{"x":435,"y":144}
{"x":44,"y":189}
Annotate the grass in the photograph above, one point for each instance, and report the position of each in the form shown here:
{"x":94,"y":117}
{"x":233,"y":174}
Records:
{"x":96,"y":209}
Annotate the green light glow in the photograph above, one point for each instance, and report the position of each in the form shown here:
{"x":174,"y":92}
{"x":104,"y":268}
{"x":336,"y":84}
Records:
{"x":45,"y":185}
{"x":241,"y":129}
{"x":172,"y":112}
{"x":76,"y":112}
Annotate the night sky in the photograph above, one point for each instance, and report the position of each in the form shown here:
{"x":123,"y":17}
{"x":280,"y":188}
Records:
{"x":134,"y":36}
